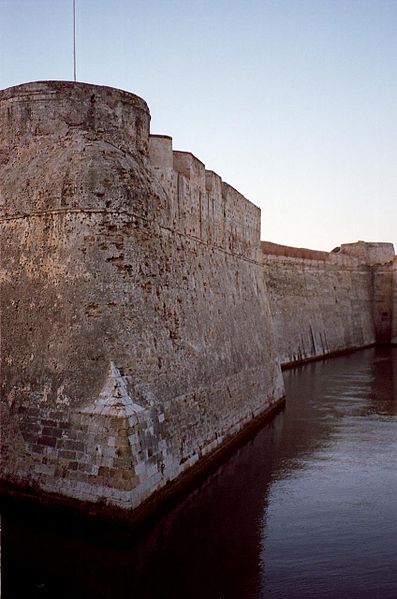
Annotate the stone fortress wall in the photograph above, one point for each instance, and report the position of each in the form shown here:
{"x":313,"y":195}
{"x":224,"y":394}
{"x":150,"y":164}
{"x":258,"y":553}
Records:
{"x":201,"y":205}
{"x":142,"y":321}
{"x":323,"y":303}
{"x":394,"y":304}
{"x":136,"y":331}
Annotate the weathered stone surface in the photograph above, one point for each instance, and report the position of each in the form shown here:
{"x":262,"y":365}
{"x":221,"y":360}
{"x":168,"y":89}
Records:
{"x":142,"y":322}
{"x":324,"y":303}
{"x":394,"y":319}
{"x":136,"y":334}
{"x":371,"y":253}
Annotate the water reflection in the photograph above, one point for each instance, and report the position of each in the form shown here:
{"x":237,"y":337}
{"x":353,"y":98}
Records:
{"x":305,"y":509}
{"x":331,"y":522}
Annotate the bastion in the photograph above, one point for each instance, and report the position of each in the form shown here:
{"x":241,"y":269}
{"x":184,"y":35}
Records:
{"x":136,"y":332}
{"x":143,"y":322}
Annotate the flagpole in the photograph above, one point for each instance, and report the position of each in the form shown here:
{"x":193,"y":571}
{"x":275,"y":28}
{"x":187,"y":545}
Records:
{"x":74,"y":40}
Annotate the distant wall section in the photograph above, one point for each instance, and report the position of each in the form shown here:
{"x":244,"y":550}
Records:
{"x":394,"y":323}
{"x":329,"y":302}
{"x":380,"y":258}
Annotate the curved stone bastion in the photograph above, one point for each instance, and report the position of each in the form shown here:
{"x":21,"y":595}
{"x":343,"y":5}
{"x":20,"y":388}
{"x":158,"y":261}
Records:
{"x":136,"y":333}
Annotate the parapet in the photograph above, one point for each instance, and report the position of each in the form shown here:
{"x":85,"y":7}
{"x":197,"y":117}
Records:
{"x":81,"y":141}
{"x":162,"y":160}
{"x":200,"y":204}
{"x":213,"y":183}
{"x":189,"y":166}
{"x":58,"y":107}
{"x":276,"y":249}
{"x":160,"y":151}
{"x":360,"y":252}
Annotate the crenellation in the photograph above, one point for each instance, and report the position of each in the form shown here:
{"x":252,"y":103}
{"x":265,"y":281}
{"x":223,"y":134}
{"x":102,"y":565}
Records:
{"x":190,"y":190}
{"x":203,"y":205}
{"x":241,"y":223}
{"x":214,"y":208}
{"x":162,"y":160}
{"x":189,"y":166}
{"x":213,"y":183}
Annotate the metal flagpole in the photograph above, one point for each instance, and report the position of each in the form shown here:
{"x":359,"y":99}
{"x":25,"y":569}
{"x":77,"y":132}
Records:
{"x":74,"y":40}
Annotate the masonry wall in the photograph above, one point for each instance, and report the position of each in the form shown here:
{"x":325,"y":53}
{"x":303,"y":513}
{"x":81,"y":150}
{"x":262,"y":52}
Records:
{"x":135,"y":327}
{"x":329,"y":302}
{"x":394,"y":321}
{"x":380,"y":258}
{"x":142,"y":320}
{"x":201,"y":205}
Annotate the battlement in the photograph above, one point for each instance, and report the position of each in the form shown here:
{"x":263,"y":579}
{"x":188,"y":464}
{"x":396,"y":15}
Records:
{"x":200,"y":204}
{"x":82,"y":141}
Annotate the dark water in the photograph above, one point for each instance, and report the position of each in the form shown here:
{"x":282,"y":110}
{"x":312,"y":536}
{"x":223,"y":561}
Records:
{"x":306,"y":509}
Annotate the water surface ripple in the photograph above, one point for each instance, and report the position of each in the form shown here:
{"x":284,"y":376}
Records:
{"x":305,"y":509}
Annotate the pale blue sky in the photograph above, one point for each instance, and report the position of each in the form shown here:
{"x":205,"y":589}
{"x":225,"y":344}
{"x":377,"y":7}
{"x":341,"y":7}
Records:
{"x":293,"y":102}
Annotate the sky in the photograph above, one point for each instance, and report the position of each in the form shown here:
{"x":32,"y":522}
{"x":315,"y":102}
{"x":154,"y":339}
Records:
{"x":292,"y":102}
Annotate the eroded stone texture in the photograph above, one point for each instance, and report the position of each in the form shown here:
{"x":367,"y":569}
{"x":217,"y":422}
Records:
{"x":328,"y":302}
{"x":379,"y":257}
{"x":136,"y":333}
{"x":394,"y":320}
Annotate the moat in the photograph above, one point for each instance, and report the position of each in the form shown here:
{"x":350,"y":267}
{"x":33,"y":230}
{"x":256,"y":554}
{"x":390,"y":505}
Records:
{"x":305,"y":509}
